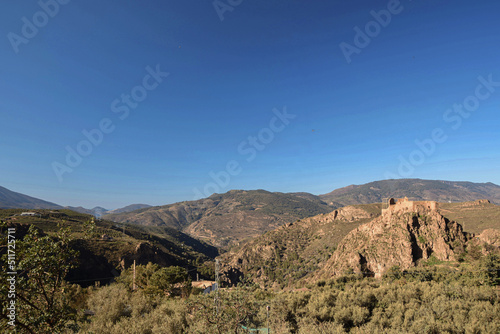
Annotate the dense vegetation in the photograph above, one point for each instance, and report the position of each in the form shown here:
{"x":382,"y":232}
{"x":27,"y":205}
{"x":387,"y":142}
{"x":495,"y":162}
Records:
{"x":437,"y":298}
{"x":105,"y":248}
{"x":429,"y":300}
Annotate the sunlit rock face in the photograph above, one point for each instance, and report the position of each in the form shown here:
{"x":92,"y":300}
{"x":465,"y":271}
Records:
{"x":404,"y":235}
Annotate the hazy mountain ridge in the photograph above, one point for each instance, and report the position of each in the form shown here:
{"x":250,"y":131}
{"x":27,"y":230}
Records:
{"x":129,"y":208}
{"x":414,"y":189}
{"x":100,"y":211}
{"x":11,"y":200}
{"x":97,"y":211}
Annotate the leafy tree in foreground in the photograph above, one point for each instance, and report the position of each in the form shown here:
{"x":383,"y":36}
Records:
{"x":154,"y":280}
{"x":172,"y":279}
{"x":42,"y":298}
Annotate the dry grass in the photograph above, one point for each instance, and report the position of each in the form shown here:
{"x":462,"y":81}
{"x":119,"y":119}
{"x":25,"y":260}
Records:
{"x":473,"y":216}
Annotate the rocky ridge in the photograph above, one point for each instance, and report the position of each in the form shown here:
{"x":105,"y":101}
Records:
{"x":401,"y":238}
{"x":367,"y":239}
{"x":294,"y":250}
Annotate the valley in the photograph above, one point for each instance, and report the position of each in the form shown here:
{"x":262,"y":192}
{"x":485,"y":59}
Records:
{"x":276,"y":249}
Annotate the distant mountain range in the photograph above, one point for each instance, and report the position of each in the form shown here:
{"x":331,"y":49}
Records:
{"x":13,"y":200}
{"x":414,"y":189}
{"x":225,"y":219}
{"x":100,"y":211}
{"x":97,"y":211}
{"x":129,"y":208}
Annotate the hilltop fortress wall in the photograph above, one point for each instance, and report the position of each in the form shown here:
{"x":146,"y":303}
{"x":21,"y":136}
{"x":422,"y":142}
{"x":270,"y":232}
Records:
{"x":404,"y":205}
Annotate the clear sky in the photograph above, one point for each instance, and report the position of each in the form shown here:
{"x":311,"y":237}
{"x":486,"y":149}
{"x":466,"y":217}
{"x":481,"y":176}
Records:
{"x":260,"y":94}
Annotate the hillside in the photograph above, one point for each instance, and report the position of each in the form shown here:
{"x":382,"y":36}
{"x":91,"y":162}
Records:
{"x":129,"y":208}
{"x":97,"y":211}
{"x":414,"y":189}
{"x":13,"y":200}
{"x":100,"y":211}
{"x":10,"y":200}
{"x":224,"y":219}
{"x":475,"y":217}
{"x":403,"y":239}
{"x":306,"y":249}
{"x":281,"y":257}
{"x":110,"y":248}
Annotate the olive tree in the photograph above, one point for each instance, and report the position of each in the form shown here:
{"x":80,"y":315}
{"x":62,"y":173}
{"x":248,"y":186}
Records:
{"x":42,"y":296}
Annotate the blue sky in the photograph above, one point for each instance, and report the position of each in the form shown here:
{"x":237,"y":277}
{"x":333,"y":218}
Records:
{"x":349,"y":122}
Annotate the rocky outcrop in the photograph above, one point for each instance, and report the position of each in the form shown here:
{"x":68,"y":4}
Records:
{"x":348,"y":213}
{"x":144,"y":253}
{"x":401,"y":238}
{"x":490,"y":236}
{"x":235,"y":264}
{"x":293,"y":250}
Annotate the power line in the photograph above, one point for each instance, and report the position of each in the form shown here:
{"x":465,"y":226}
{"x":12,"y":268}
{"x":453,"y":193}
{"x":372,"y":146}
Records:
{"x":91,"y":279}
{"x":217,"y":285}
{"x":133,"y":279}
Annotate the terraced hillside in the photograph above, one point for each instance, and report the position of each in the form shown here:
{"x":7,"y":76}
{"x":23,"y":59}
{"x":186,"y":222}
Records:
{"x":108,"y":247}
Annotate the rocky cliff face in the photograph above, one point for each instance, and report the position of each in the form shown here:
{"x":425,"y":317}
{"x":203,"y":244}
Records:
{"x":144,"y":253}
{"x":491,"y":237}
{"x":358,"y":238}
{"x":294,"y":250}
{"x":401,"y":238}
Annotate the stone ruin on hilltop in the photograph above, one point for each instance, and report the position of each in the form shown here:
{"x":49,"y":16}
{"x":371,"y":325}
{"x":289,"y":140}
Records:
{"x":404,"y":205}
{"x":407,"y":233}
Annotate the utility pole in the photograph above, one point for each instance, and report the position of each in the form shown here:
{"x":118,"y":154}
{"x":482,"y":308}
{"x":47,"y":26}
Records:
{"x":133,"y":280}
{"x":267,"y":309}
{"x":217,"y":285}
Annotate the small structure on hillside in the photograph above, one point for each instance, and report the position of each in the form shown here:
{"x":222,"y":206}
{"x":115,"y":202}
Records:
{"x":404,"y":205}
{"x":31,"y":214}
{"x":57,"y":214}
{"x":106,"y":237}
{"x":206,"y":286}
